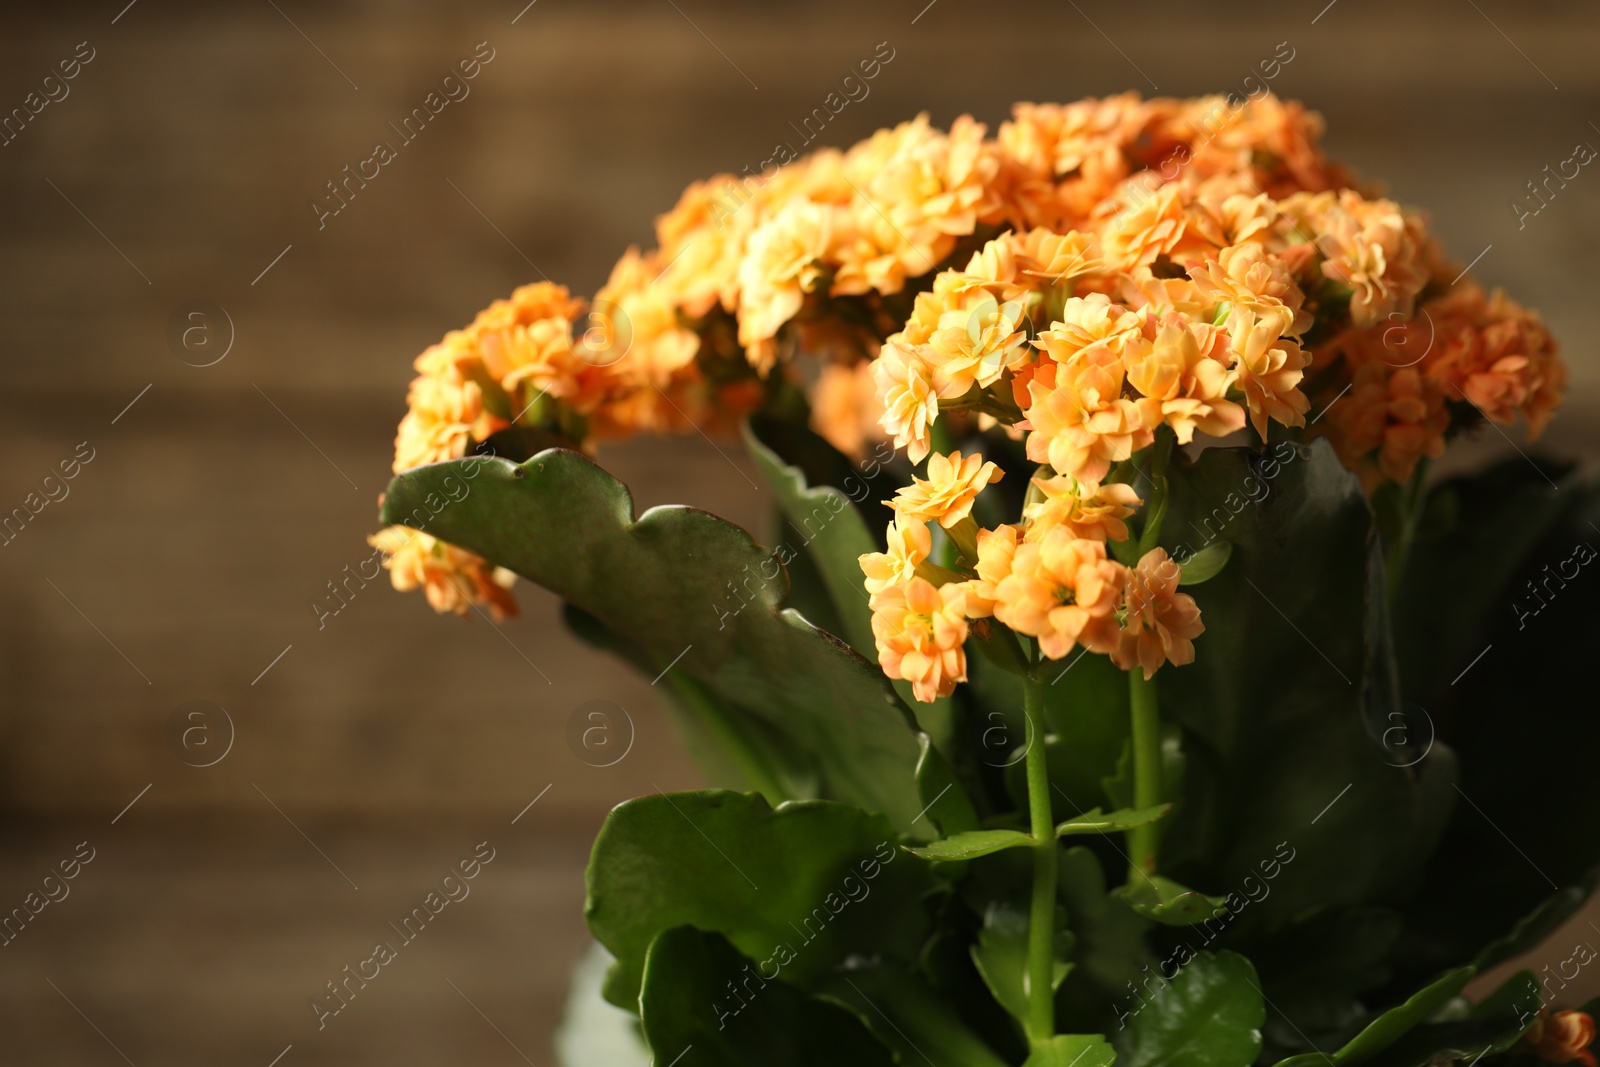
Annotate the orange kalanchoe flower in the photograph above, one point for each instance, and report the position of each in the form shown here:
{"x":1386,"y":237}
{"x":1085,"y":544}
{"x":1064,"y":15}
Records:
{"x":454,"y":579}
{"x":1063,"y":591}
{"x":1094,"y":513}
{"x":1396,"y":413}
{"x":1564,"y":1037}
{"x":1082,"y":423}
{"x":946,"y":495}
{"x":845,"y":410}
{"x":910,"y":404}
{"x":1270,"y":366}
{"x":1186,"y":370}
{"x":1159,"y":624}
{"x":909,"y":544}
{"x":919,"y":629}
{"x":996,"y":549}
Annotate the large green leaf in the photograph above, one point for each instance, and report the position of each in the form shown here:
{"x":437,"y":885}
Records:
{"x":690,"y":589}
{"x":1280,"y":704}
{"x":1001,"y":956}
{"x":826,"y":501}
{"x":733,"y":750}
{"x":800,"y":886}
{"x":1109,"y":952}
{"x":824,"y":519}
{"x":1208,"y":1015}
{"x":706,"y":1005}
{"x":1395,"y":1023}
{"x":1493,"y":1025}
{"x":920,"y":1026}
{"x":1521,"y":715}
{"x":1453,"y":581}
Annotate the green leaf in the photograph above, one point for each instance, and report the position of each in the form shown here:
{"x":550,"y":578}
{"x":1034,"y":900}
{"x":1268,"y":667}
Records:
{"x":1093,"y":822}
{"x":799,"y":887}
{"x":1280,"y":723}
{"x":1169,"y":903}
{"x":733,"y":750}
{"x":1208,"y":1015}
{"x":972,"y":844}
{"x":1074,"y":1050}
{"x":1393,"y":1024}
{"x":1205,"y":564}
{"x":1110,"y":952}
{"x":691,"y":590}
{"x":1001,"y":956}
{"x":944,"y":798}
{"x":1539,"y":924}
{"x":706,"y":1005}
{"x":1449,"y":586}
{"x":910,"y":1018}
{"x":824,"y":519}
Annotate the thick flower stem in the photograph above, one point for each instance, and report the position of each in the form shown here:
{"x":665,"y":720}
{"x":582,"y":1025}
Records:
{"x":1042,"y":919}
{"x":1142,"y":840}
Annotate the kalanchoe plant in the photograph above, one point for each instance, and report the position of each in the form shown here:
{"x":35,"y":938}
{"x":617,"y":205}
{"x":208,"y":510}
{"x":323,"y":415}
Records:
{"x":1137,"y":736}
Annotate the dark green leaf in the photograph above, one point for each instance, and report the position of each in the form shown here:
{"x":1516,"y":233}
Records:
{"x":1110,"y":951}
{"x":944,"y":798}
{"x":800,"y":887}
{"x":1205,"y":564}
{"x":823,"y":517}
{"x":1277,"y":710}
{"x":1452,"y":583}
{"x":1393,"y":1024}
{"x":1001,"y":956}
{"x":691,"y":590}
{"x":1169,"y":903}
{"x":1208,"y":1015}
{"x":910,"y":1018}
{"x":733,"y":750}
{"x":972,"y":844}
{"x":1093,"y":822}
{"x":706,"y":1005}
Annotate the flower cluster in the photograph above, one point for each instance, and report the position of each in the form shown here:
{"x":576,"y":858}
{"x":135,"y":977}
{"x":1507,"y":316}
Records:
{"x":1047,"y":577}
{"x":1092,"y":275}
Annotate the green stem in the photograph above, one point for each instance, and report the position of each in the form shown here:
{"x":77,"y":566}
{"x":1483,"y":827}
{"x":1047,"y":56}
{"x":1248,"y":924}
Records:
{"x":1143,"y":841}
{"x":1413,"y":503}
{"x":1042,"y":920}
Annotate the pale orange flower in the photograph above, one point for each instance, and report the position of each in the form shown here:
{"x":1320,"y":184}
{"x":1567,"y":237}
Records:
{"x":1063,"y":591}
{"x":975,"y":344}
{"x":782,"y":262}
{"x":845,"y":409}
{"x":1269,"y":366}
{"x":920,"y":630}
{"x":1159,"y":624}
{"x":1491,"y":352}
{"x":1393,"y":412}
{"x":1186,"y":370}
{"x":1140,"y":232}
{"x":446,"y":416}
{"x":1247,"y":274}
{"x":1091,"y":512}
{"x":1081,"y":423}
{"x":1091,"y":328}
{"x":946,"y":495}
{"x":453,"y":579}
{"x":910,"y":404}
{"x":909,"y":543}
{"x":996,"y":548}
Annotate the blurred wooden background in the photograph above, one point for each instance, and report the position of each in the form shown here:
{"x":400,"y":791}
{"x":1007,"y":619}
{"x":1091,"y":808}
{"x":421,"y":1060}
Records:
{"x":181,"y":165}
